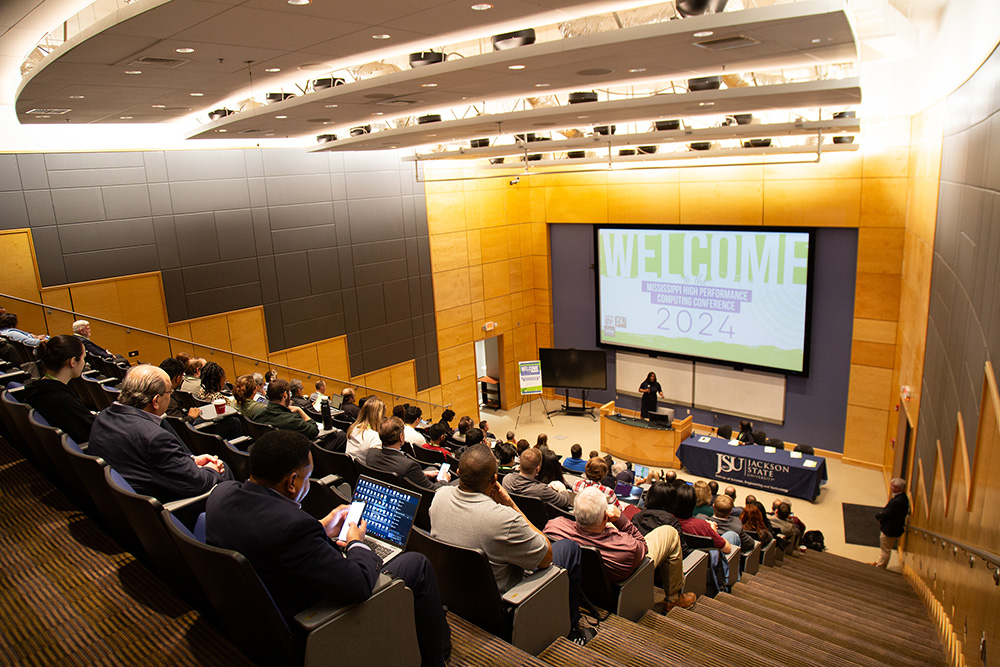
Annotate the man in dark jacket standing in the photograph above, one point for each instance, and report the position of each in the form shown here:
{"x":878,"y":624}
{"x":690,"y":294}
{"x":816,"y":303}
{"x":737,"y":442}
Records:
{"x":892,"y":521}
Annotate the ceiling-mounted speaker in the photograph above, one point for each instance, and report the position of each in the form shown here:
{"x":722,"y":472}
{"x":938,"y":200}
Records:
{"x":278,"y":97}
{"x":662,"y":125}
{"x":626,"y":151}
{"x":360,"y":129}
{"x":704,"y":83}
{"x":577,"y":98}
{"x":576,"y":154}
{"x":512,"y":40}
{"x":846,"y":114}
{"x":327,"y":82}
{"x":743,"y":118}
{"x":496,"y":160}
{"x":324,"y":138}
{"x":604,"y":129}
{"x":700,"y":145}
{"x":843,"y":140}
{"x":756,"y":143}
{"x":479,"y":143}
{"x":429,"y":118}
{"x":688,"y":8}
{"x":220,"y":113}
{"x":534,"y":157}
{"x":647,"y":150}
{"x":422,"y":58}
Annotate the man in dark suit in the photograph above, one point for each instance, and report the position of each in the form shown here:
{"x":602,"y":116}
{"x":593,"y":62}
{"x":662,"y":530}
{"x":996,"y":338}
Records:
{"x":295,"y":555}
{"x":147,"y":453}
{"x":892,"y":521}
{"x":348,"y":404}
{"x":390,"y":459}
{"x":81,"y":329}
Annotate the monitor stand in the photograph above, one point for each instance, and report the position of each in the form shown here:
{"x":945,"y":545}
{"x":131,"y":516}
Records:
{"x":578,"y":410}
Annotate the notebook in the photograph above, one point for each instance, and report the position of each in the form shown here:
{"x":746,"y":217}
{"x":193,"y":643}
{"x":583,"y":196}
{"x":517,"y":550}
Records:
{"x":389,"y":512}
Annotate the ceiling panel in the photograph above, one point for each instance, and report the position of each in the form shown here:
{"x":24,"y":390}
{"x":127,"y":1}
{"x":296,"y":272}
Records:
{"x":168,"y":19}
{"x":243,"y":26}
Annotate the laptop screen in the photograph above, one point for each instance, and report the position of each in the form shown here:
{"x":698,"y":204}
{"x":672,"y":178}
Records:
{"x":336,"y":401}
{"x":389,"y":510}
{"x":641,"y":471}
{"x":626,"y":490}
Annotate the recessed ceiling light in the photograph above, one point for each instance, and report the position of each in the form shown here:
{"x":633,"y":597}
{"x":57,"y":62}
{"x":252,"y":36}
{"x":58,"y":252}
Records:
{"x":482,"y":6}
{"x":381,"y":36}
{"x":197,"y":94}
{"x":817,"y":41}
{"x":125,"y":117}
{"x":377,"y":113}
{"x":76,"y":97}
{"x":706,"y":104}
{"x":159,"y":106}
{"x":331,"y":106}
{"x":184,"y":49}
{"x":583,"y":116}
{"x":637,"y":70}
{"x":281,"y":117}
{"x":328,"y":122}
{"x":429,"y":135}
{"x":542,"y":85}
{"x":273,"y":69}
{"x":515,"y":67}
{"x":704,"y":33}
{"x":133,"y":71}
{"x":41,"y":116}
{"x":428,"y":85}
{"x":299,"y":2}
{"x":222,"y":130}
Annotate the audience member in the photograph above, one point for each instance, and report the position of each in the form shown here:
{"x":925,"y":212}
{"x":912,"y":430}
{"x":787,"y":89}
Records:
{"x":244,"y":391}
{"x":523,"y":483}
{"x":129,"y":435}
{"x":464,"y":424}
{"x":782,"y":523}
{"x":752,"y":500}
{"x":484,"y":426}
{"x":294,"y":554}
{"x":280,"y":413}
{"x":892,"y":521}
{"x":753,"y":520}
{"x":522,"y":445}
{"x":297,"y":399}
{"x":348,"y":404}
{"x":596,"y":470}
{"x":745,"y":436}
{"x":192,"y":375}
{"x":63,"y":358}
{"x":320,"y":392}
{"x":505,"y":454}
{"x":511,"y":439}
{"x":724,"y":522}
{"x":228,"y":427}
{"x":551,"y":471}
{"x":445,"y":420}
{"x":575,"y":462}
{"x":438,"y":437}
{"x":731,"y":492}
{"x":542,"y":440}
{"x":81,"y":329}
{"x":683,"y":510}
{"x":474,"y":436}
{"x":9,"y":330}
{"x":389,"y":457}
{"x":479,"y":514}
{"x":703,"y":496}
{"x":796,"y":521}
{"x":592,"y":454}
{"x":623,"y":547}
{"x":411,"y":419}
{"x":362,"y":435}
{"x":670,"y":476}
{"x":713,"y":486}
{"x":213,"y":379}
{"x":726,"y":432}
{"x":661,"y":500}
{"x":259,"y":391}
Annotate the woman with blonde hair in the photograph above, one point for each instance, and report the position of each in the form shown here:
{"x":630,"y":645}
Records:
{"x":703,"y":496}
{"x":362,"y":435}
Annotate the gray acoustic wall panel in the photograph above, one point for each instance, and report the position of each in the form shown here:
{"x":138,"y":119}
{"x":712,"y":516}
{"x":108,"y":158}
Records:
{"x":963,"y":327}
{"x":328,"y":244}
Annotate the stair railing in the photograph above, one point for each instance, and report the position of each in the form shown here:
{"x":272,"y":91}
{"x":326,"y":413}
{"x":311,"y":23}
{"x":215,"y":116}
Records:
{"x":991,"y":559}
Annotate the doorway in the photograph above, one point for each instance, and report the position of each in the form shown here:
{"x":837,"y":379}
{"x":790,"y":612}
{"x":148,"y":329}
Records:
{"x":488,"y":370}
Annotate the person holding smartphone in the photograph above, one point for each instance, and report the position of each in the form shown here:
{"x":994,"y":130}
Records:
{"x":390,"y":458}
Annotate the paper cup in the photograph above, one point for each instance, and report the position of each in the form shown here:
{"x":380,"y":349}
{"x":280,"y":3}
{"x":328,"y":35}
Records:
{"x":220,"y":405}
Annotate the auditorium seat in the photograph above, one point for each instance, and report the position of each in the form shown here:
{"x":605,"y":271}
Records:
{"x":326,"y":462}
{"x":767,"y":555}
{"x":230,"y":451}
{"x":256,"y":430}
{"x":533,"y":509}
{"x":18,"y":413}
{"x":50,"y":441}
{"x":322,"y":634}
{"x":530,"y":616}
{"x":554,"y":512}
{"x":629,"y":598}
{"x":90,"y":470}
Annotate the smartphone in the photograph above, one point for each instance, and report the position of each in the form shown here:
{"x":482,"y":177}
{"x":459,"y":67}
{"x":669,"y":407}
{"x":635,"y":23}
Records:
{"x":443,"y":473}
{"x":353,"y":516}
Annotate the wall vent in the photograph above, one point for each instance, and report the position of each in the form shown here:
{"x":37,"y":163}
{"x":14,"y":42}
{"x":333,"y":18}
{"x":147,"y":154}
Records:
{"x":160,"y":63}
{"x":48,"y":112}
{"x":724,"y":43}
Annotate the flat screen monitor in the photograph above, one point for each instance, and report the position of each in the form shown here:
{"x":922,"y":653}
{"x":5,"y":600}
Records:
{"x":573,"y":369}
{"x":740,"y":296}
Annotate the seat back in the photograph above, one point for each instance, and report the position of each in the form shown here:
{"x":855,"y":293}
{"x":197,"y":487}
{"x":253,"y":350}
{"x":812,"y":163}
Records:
{"x":248,"y":614}
{"x":380,"y":475}
{"x":554,"y":512}
{"x":203,"y":442}
{"x":18,"y":412}
{"x":80,"y":386}
{"x":186,"y":399}
{"x":50,"y":440}
{"x":465,"y":579}
{"x":326,"y":463}
{"x":237,"y":460}
{"x":533,"y":509}
{"x":256,"y":430}
{"x":26,"y":354}
{"x":422,"y":518}
{"x":98,"y":397}
{"x":90,"y":471}
{"x":699,"y":541}
{"x":596,"y":584}
{"x":180,"y":428}
{"x":10,"y":426}
{"x":428,"y":456}
{"x":805,"y":449}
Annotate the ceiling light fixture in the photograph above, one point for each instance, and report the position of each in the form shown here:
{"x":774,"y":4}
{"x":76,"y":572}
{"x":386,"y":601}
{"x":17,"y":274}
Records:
{"x":42,"y":116}
{"x":637,"y":70}
{"x":222,"y":130}
{"x":704,"y":33}
{"x":331,"y":106}
{"x":381,"y":36}
{"x":184,"y":49}
{"x":159,"y":106}
{"x":299,"y":2}
{"x":482,"y":6}
{"x":542,"y":85}
{"x":281,"y":117}
{"x":76,"y":97}
{"x":125,"y":117}
{"x":428,"y":85}
{"x":273,"y":69}
{"x":133,"y":71}
{"x":197,"y":94}
{"x":377,"y":113}
{"x":515,"y":67}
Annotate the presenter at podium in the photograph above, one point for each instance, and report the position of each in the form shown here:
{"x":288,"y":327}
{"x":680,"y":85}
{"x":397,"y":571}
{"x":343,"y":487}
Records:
{"x":649,"y":389}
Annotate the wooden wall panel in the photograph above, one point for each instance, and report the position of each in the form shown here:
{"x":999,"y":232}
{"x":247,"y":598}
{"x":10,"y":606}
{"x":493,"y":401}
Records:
{"x":19,"y":277}
{"x":812,"y":203}
{"x":722,"y":203}
{"x":55,"y":320}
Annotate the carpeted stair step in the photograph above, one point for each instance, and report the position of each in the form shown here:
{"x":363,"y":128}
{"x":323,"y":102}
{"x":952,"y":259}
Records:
{"x":726,"y":648}
{"x":812,"y":596}
{"x":889,"y":586}
{"x":856,"y":639}
{"x":564,"y":653}
{"x":471,"y":646}
{"x":637,"y":646}
{"x":817,"y":649}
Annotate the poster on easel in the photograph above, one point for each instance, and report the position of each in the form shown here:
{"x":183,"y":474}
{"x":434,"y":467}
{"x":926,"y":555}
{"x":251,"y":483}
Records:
{"x":530,"y":373}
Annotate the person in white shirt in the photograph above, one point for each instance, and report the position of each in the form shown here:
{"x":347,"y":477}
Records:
{"x":411,"y":417}
{"x":320,"y":392}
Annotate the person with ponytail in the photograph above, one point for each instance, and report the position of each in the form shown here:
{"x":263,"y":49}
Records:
{"x":63,"y":358}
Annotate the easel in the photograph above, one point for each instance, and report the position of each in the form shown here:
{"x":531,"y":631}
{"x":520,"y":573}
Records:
{"x":544,"y":409}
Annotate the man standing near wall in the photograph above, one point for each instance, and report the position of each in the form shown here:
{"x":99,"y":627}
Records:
{"x":892,"y":521}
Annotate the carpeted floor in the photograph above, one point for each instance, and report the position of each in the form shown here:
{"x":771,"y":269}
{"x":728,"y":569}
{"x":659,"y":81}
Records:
{"x":860,"y":526}
{"x":69,"y":595}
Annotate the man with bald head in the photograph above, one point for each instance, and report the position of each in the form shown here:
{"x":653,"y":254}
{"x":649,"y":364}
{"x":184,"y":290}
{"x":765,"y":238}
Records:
{"x":130,"y":436}
{"x":524,"y":483}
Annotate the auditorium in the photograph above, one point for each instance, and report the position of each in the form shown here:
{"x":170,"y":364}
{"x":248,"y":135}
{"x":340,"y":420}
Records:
{"x":694,"y":212}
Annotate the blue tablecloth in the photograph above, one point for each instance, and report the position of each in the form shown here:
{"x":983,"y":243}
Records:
{"x":750,"y":465}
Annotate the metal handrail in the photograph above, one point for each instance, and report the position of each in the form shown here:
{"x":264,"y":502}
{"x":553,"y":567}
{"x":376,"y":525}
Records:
{"x":269,"y":364}
{"x":992,"y":560}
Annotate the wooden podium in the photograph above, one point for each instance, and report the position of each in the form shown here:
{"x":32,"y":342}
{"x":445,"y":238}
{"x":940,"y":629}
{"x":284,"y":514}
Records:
{"x":631,"y":440}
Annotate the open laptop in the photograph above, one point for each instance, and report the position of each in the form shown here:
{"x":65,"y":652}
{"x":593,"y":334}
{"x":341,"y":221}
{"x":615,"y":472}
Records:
{"x":641,"y":471}
{"x":389,"y":512}
{"x":628,"y":492}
